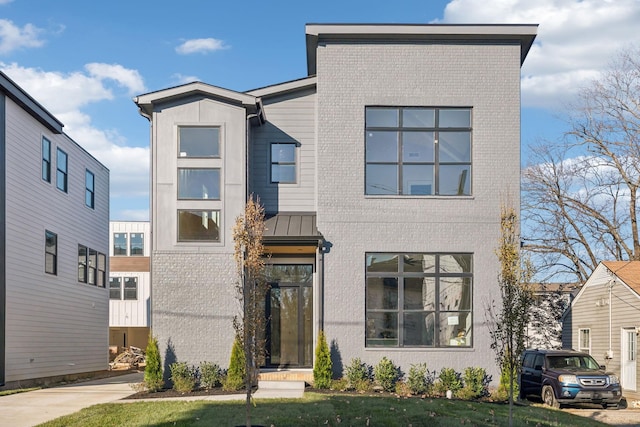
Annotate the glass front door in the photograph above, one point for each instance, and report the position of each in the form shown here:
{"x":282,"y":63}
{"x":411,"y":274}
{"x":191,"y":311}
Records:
{"x":290,"y":315}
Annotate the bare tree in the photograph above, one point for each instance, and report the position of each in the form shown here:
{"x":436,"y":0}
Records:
{"x":251,"y":291}
{"x":580,"y":195}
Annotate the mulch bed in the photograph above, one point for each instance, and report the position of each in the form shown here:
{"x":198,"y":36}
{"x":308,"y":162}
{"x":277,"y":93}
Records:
{"x":169,"y":392}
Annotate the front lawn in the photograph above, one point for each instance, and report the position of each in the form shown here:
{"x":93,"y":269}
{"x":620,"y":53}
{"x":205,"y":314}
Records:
{"x":317,"y":409}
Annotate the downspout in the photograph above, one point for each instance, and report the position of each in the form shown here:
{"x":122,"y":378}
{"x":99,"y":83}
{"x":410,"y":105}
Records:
{"x":610,"y":352}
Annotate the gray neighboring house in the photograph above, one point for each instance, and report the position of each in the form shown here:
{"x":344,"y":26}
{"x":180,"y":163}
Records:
{"x":382,"y":173}
{"x":54,"y":237}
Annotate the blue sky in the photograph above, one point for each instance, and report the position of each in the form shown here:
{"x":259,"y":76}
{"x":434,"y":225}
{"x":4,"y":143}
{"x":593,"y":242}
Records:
{"x":86,"y":60}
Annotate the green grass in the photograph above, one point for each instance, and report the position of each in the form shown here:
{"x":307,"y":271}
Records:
{"x":17,"y":390}
{"x":319,"y":410}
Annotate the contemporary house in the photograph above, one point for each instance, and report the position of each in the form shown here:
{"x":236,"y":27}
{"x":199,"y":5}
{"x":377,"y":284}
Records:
{"x":54,"y":240}
{"x":129,"y":284}
{"x":382,"y":173}
{"x":604,"y":320}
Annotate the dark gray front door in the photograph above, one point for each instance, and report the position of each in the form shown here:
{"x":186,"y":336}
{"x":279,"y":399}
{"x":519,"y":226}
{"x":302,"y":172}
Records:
{"x":290,"y":315}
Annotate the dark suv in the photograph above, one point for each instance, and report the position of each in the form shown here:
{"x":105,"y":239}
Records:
{"x":561,"y":377}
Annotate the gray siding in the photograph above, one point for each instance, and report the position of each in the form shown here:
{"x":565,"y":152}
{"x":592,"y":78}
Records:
{"x":54,"y":324}
{"x":352,"y":76}
{"x":290,"y":118}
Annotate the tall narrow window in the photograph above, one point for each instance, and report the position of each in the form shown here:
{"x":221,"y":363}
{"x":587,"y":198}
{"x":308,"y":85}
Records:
{"x":418,"y":151}
{"x":92,"y":264}
{"x":137,"y":244}
{"x":115,"y":288}
{"x":198,"y":184}
{"x":50,"y":252}
{"x":89,"y":193}
{"x":283,"y":163}
{"x":46,"y":159}
{"x":194,"y":225}
{"x":82,"y":264}
{"x":130,"y":288}
{"x":119,"y":243}
{"x":198,"y":141}
{"x":61,"y":170}
{"x":102,"y":271}
{"x":584,"y":336}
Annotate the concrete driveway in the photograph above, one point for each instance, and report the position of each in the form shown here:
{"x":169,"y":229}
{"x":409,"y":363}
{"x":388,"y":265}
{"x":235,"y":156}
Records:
{"x":36,"y":407}
{"x":619,"y":417}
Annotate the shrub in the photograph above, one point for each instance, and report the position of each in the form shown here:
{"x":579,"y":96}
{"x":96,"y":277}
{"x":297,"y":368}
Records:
{"x":476,"y":384}
{"x":449,"y":379}
{"x":502,"y":394}
{"x":322,"y":370}
{"x":340,"y":384}
{"x":153,"y":380}
{"x":357,"y":374}
{"x":403,"y":389}
{"x":210,"y":375}
{"x":237,"y":372}
{"x":386,"y":374}
{"x":183,"y":377}
{"x":420,"y":380}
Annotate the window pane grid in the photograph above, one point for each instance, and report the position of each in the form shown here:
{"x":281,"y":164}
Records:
{"x":46,"y":159}
{"x":61,"y":170}
{"x":89,"y":195}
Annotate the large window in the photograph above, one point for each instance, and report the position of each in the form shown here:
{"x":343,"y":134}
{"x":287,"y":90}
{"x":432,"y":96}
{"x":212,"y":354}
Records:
{"x":418,"y":151}
{"x":46,"y":159}
{"x":119,"y":243}
{"x":50,"y":252}
{"x":89,"y":192}
{"x":61,"y":170}
{"x":283,"y":163}
{"x":197,"y":141}
{"x":198,"y":184}
{"x":418,"y":300}
{"x":196,"y":225}
{"x":137,"y":244}
{"x":115,"y":286}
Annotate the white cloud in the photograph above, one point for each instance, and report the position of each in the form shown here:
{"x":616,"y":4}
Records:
{"x":200,"y":46}
{"x":64,"y":95}
{"x":13,"y":37}
{"x":576,"y":39}
{"x":181,"y":79}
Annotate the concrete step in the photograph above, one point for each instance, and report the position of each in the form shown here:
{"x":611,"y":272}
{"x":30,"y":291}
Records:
{"x":280,"y":385}
{"x":305,"y":375}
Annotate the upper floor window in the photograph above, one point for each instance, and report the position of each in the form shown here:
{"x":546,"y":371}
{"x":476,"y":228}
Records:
{"x":61,"y":170}
{"x":130,"y":288}
{"x":137,"y":244}
{"x":198,"y":141}
{"x":89,"y":193}
{"x":50,"y":252}
{"x":119,"y":243}
{"x":92,"y":264}
{"x":418,"y":300}
{"x":283,"y":163}
{"x":46,"y":159}
{"x":198,"y":184}
{"x":418,"y":151}
{"x":101,"y":274}
{"x":115,"y":288}
{"x":197,"y":225}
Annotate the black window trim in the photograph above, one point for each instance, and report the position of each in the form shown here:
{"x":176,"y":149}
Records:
{"x":65,"y":172}
{"x":90,"y":191}
{"x":294,"y":163}
{"x":54,"y":254}
{"x":46,"y":160}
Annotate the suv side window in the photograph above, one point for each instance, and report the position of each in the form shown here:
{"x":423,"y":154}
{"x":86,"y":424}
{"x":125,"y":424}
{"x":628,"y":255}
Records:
{"x":539,"y":362}
{"x":528,"y":360}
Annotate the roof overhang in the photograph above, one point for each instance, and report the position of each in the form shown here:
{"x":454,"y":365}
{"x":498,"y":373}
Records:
{"x":148,"y":102}
{"x":292,"y":229}
{"x":523,"y":34}
{"x":284,"y":88}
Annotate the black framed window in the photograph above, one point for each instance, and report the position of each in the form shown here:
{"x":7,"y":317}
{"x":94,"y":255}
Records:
{"x":198,"y":141}
{"x":198,"y":184}
{"x":418,"y":151}
{"x":46,"y":159}
{"x":50,"y":252}
{"x":61,"y":170}
{"x":130,"y":288}
{"x":101,"y":273}
{"x":198,"y":225}
{"x":89,"y":193}
{"x":115,"y":288}
{"x":82,"y":263}
{"x":283,"y":163}
{"x":119,"y":243}
{"x":92,"y":263}
{"x":419,"y":300}
{"x":136,"y":241}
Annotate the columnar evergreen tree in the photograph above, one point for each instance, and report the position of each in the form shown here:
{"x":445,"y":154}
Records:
{"x":153,"y":366}
{"x":322,"y":369}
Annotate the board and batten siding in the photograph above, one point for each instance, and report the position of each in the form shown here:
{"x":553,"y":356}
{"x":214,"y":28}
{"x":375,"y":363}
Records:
{"x":55,"y":325}
{"x":290,"y":119}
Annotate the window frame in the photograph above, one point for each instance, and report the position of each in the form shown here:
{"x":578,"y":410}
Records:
{"x":131,"y":248}
{"x":180,"y":180}
{"x":125,"y":281}
{"x":89,"y":193}
{"x":46,"y":159}
{"x":586,"y":332}
{"x":101,"y":270}
{"x":217,"y":150}
{"x":402,"y":311}
{"x":112,"y":279}
{"x":274,"y":162}
{"x":437,"y":164}
{"x":51,"y":254}
{"x":218,"y":215}
{"x":64,"y":173}
{"x":126,"y":244}
{"x":82,"y":264}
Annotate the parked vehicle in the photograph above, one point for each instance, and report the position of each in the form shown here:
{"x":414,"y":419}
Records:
{"x":561,"y":377}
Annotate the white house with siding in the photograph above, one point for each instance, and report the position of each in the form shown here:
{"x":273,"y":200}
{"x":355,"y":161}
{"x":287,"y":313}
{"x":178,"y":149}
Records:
{"x":604,"y":321}
{"x":129,"y":284}
{"x":54,"y":241}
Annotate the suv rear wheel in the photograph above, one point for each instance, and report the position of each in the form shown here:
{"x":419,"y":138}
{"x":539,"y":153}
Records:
{"x":549,"y":398}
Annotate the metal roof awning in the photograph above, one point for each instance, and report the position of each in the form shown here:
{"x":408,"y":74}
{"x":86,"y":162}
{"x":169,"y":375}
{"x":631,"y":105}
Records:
{"x":291,"y":228}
